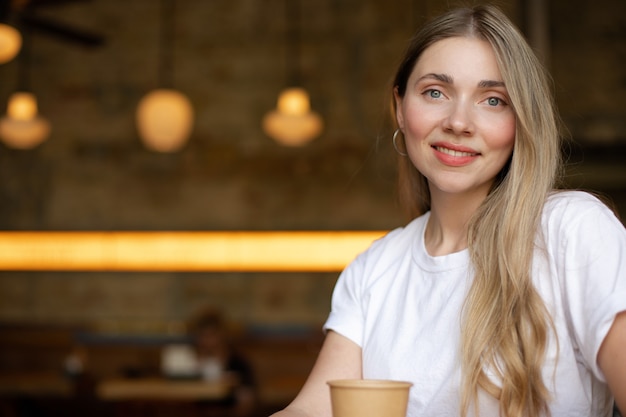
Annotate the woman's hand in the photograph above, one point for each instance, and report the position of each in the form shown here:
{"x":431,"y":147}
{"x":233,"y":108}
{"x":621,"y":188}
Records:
{"x":339,"y":358}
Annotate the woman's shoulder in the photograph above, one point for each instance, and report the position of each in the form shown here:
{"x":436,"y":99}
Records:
{"x":394,"y":244}
{"x":401,"y":236}
{"x":574,"y":203}
{"x":579,"y":213}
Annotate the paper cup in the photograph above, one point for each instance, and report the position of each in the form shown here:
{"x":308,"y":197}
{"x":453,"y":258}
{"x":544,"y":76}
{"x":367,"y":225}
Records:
{"x":369,"y":398}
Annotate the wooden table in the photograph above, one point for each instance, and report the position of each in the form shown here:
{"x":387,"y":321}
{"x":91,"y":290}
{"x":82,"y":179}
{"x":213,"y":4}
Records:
{"x":163,"y":389}
{"x":35,"y":384}
{"x":162,"y":397}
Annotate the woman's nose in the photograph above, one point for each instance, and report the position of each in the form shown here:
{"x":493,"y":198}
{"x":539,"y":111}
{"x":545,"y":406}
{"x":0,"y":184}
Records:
{"x":459,"y":119}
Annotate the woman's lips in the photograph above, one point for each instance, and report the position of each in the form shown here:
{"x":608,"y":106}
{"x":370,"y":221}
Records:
{"x":454,"y":152}
{"x":455,"y":155}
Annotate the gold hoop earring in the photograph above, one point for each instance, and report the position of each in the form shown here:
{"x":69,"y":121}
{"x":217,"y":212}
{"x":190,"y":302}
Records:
{"x":393,"y":140}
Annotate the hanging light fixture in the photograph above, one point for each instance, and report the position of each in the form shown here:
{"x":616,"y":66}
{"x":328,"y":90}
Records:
{"x":164,"y":120}
{"x":10,"y":42}
{"x":165,"y":116}
{"x":292,"y":123}
{"x":22,"y":127}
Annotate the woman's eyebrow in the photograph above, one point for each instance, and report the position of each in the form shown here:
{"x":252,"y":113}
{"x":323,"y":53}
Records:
{"x":444,"y":78}
{"x":490,"y":84}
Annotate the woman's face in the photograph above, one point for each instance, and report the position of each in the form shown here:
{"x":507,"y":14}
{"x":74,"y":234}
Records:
{"x":458,"y":126}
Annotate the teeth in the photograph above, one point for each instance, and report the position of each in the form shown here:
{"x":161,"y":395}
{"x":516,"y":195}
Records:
{"x":453,"y":152}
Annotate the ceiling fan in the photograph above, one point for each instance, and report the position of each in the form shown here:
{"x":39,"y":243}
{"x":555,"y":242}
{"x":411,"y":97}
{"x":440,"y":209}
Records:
{"x":24,"y":15}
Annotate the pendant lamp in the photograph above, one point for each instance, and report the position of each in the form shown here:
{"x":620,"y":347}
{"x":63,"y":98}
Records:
{"x":22,"y":127}
{"x":10,"y":42}
{"x":292,"y":123}
{"x":165,"y":116}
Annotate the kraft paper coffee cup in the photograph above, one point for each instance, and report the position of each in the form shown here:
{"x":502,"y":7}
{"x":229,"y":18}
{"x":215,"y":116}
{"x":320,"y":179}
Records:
{"x":369,"y":397}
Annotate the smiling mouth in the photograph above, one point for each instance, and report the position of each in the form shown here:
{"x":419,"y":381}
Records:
{"x":452,"y":152}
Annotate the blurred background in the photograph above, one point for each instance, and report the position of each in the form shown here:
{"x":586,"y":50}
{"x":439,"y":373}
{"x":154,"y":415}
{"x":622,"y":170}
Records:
{"x":83,"y":164}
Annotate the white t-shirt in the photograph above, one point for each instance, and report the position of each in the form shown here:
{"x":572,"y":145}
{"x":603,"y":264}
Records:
{"x":402,"y":306}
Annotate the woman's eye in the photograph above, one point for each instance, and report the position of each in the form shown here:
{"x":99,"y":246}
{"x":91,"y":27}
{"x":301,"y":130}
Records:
{"x":434,"y":93}
{"x":494,"y":101}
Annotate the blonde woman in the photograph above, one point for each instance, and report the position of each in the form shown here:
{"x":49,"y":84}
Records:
{"x":502,"y":296}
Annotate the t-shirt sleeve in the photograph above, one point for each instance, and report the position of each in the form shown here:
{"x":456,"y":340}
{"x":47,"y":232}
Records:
{"x":594,"y":284}
{"x":346,"y":314}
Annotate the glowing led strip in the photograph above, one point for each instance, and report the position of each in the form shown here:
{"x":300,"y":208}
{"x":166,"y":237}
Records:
{"x":182,"y":251}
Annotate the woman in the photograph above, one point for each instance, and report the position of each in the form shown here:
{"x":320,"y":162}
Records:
{"x":502,"y":297}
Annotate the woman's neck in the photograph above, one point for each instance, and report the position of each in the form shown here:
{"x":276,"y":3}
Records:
{"x":446,"y":231}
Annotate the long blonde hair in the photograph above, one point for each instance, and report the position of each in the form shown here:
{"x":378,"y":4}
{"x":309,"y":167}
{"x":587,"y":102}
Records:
{"x":505,"y":322}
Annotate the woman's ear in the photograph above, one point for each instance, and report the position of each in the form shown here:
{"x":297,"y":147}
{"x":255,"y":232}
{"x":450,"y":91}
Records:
{"x":398,"y":108}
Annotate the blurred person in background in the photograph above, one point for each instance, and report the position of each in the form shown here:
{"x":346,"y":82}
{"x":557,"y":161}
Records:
{"x":217,"y":359}
{"x":209,"y":355}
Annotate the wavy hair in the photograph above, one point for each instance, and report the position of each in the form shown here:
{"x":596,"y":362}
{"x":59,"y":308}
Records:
{"x":505,"y":323}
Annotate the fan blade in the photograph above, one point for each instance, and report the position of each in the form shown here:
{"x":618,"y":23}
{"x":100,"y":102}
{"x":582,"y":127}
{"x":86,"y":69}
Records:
{"x":45,"y":3}
{"x":5,"y":10}
{"x":62,"y":30}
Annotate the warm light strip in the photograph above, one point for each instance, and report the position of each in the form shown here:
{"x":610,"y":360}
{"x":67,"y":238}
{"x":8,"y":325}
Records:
{"x":182,"y":251}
